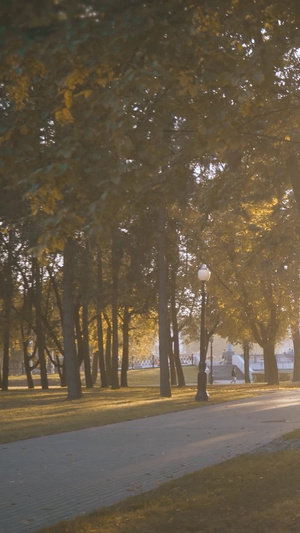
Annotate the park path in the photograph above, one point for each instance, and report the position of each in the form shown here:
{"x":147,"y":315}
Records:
{"x":47,"y":479}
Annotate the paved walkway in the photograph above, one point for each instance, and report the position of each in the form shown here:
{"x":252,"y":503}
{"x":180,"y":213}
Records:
{"x":47,"y":479}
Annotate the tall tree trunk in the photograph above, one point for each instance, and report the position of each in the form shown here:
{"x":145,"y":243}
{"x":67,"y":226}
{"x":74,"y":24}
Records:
{"x":271,"y":370}
{"x":179,"y":370}
{"x":71,"y":360}
{"x":78,"y":330}
{"x":30,"y":383}
{"x":108,"y":352}
{"x":40,"y":335}
{"x":173,"y":375}
{"x":8,"y":290}
{"x":115,"y":263}
{"x":103,"y":376}
{"x":296,"y":342}
{"x":165,"y":388}
{"x":246,"y":347}
{"x":85,"y":316}
{"x":125,"y":355}
{"x":61,"y":369}
{"x":86,"y":347}
{"x":95,"y":361}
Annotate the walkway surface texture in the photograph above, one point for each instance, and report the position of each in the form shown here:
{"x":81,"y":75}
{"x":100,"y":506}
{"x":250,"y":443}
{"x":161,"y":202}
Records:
{"x":47,"y":479}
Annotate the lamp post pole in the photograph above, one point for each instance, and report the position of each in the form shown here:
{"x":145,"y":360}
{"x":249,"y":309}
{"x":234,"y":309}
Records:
{"x":202,"y":395}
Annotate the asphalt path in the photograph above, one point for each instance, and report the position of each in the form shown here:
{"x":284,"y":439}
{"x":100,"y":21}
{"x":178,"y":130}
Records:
{"x":47,"y":479}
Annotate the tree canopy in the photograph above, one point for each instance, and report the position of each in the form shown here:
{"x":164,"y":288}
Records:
{"x":113,"y":110}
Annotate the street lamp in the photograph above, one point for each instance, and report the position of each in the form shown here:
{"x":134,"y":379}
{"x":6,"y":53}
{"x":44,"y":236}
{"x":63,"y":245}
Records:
{"x":202,"y":395}
{"x":211,"y":340}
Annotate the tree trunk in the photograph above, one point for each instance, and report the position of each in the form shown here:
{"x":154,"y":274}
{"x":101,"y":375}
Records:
{"x":30,"y":383}
{"x":271,"y":370}
{"x":95,"y":361}
{"x":296,"y":342}
{"x":115,"y":263}
{"x":40,"y":335}
{"x":8,"y":289}
{"x":165,"y":388}
{"x":108,"y":353}
{"x":246,"y":347}
{"x":78,"y":337}
{"x":179,"y":370}
{"x":85,"y":316}
{"x":103,"y":376}
{"x":61,"y":369}
{"x":173,"y":375}
{"x":125,"y":355}
{"x":71,"y":360}
{"x":86,"y":346}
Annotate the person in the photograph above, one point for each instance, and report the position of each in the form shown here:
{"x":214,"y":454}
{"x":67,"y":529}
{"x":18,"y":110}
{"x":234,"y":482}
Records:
{"x":233,"y":375}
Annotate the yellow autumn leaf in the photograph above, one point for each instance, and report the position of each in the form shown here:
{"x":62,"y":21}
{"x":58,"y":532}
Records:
{"x":19,"y":91}
{"x":105,"y":76}
{"x":48,"y":209}
{"x":64,"y":115}
{"x":86,"y":94}
{"x":56,"y":194}
{"x":68,"y":98}
{"x":77,"y":77}
{"x":59,"y":243}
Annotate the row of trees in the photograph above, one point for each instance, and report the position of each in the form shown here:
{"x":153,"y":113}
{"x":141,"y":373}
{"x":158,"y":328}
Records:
{"x":139,"y":140}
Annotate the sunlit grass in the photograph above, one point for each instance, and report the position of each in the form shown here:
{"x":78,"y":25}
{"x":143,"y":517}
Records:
{"x":31,"y":413}
{"x":252,"y":493}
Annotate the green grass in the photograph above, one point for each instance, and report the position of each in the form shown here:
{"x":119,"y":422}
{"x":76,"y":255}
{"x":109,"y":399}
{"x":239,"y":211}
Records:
{"x":32,"y":413}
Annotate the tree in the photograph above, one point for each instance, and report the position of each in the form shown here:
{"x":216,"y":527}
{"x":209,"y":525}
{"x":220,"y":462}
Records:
{"x":71,"y":360}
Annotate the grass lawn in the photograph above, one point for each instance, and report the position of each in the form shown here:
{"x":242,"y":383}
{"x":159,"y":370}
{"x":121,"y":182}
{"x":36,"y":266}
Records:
{"x":31,"y":413}
{"x":258,"y":493}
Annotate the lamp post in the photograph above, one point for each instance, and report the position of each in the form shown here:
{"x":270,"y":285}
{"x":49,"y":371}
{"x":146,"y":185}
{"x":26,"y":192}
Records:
{"x":202,"y":395}
{"x":211,"y":340}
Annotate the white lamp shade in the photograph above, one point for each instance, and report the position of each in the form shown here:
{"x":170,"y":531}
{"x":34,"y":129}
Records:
{"x":203,"y":273}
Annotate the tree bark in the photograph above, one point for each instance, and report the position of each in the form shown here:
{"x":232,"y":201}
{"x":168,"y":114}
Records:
{"x":115,"y":264}
{"x":103,"y":376}
{"x":125,"y":355}
{"x":271,"y":370}
{"x":71,"y":360}
{"x":85,"y":316}
{"x":246,"y":348}
{"x":173,"y":375}
{"x":95,"y":361}
{"x":86,"y":346}
{"x":8,"y":290}
{"x":296,"y":342}
{"x":27,"y":308}
{"x":78,"y":330}
{"x":165,"y":388}
{"x":108,"y":352}
{"x":40,"y":335}
{"x":179,"y":370}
